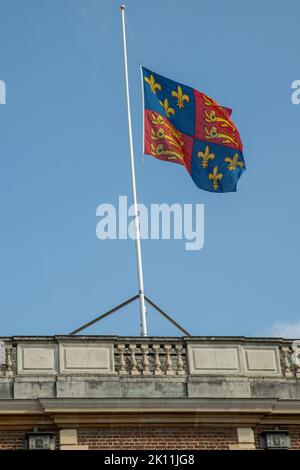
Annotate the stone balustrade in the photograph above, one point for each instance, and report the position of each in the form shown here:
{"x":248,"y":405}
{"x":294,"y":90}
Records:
{"x":109,"y":366}
{"x":169,"y":357}
{"x":6,"y":365}
{"x":151,"y":358}
{"x":290,"y":360}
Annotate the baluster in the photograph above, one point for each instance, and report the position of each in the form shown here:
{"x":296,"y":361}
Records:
{"x":9,"y":364}
{"x":169,"y":364}
{"x":122,"y":363}
{"x":180,"y":368}
{"x":134,"y":369}
{"x":157,"y":363}
{"x":286,"y":364}
{"x":146,"y":363}
{"x":295,"y":359}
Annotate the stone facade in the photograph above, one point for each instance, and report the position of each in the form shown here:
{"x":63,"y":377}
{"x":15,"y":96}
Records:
{"x":97,"y":392}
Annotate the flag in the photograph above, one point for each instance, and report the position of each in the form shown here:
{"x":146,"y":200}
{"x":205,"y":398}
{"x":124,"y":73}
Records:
{"x":185,"y":126}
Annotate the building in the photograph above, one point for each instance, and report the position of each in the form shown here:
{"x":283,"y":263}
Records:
{"x":104,"y":392}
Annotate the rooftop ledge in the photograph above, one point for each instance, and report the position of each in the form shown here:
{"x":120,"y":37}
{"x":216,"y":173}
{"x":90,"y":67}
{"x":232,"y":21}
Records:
{"x":146,"y":339}
{"x":93,"y":366}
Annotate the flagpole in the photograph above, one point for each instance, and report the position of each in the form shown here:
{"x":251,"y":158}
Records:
{"x":133,"y":184}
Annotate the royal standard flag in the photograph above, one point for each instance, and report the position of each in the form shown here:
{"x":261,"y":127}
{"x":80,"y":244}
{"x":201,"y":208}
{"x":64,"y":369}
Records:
{"x":185,"y":126}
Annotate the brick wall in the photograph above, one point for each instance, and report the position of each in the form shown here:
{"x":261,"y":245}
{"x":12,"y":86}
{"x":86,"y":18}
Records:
{"x":158,"y":438}
{"x":13,"y":440}
{"x":153,"y":438}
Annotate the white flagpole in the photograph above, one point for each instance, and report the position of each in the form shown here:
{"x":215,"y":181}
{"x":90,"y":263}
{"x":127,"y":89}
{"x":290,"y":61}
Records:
{"x":136,"y":215}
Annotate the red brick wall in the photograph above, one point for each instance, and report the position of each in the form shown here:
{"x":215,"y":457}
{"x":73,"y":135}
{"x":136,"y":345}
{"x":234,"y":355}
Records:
{"x":158,"y":438}
{"x":13,"y":440}
{"x":153,"y":438}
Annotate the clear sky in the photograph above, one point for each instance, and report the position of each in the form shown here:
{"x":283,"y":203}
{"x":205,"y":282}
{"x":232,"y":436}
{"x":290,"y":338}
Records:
{"x":64,"y":150}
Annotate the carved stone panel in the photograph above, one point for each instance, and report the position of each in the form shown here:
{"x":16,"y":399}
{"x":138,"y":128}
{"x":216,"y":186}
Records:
{"x":37,"y":358}
{"x":210,"y":359}
{"x":262,"y":360}
{"x":88,"y":358}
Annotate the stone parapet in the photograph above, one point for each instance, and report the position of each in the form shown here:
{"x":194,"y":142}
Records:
{"x":154,"y":367}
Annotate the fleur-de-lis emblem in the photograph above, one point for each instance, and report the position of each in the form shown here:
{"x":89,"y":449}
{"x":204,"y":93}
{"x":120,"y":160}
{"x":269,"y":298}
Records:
{"x":234,"y":162}
{"x":180,"y":97}
{"x":215,"y":177}
{"x":153,"y":84}
{"x":167,"y":108}
{"x":206,"y":155}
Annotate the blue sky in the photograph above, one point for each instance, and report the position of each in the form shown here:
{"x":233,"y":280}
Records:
{"x":64,"y":150}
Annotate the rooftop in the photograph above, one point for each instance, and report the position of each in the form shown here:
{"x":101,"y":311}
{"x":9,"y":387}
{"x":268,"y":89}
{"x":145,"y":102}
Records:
{"x":115,"y":379}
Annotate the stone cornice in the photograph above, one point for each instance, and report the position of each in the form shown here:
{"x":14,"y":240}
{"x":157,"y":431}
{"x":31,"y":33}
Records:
{"x":150,"y":339}
{"x":146,"y":412}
